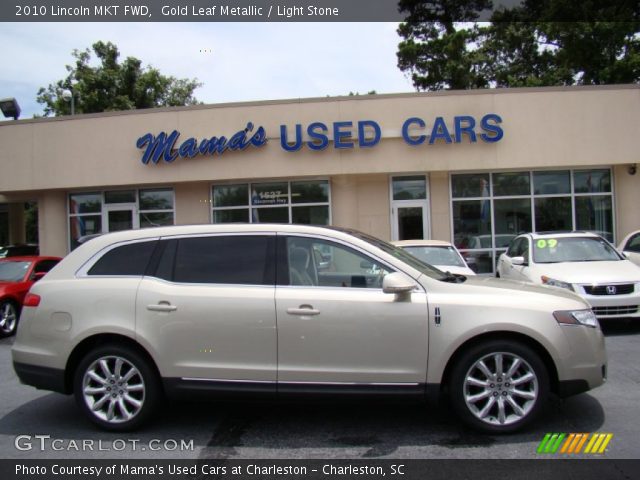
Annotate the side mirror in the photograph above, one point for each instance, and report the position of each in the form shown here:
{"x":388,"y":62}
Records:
{"x":520,"y":261}
{"x":397,"y":283}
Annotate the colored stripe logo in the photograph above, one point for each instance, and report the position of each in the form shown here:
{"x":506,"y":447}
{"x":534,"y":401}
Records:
{"x":573,"y":443}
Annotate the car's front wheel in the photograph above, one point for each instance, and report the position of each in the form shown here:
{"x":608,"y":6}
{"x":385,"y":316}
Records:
{"x":8,"y":318}
{"x":499,"y":386}
{"x":116,"y":387}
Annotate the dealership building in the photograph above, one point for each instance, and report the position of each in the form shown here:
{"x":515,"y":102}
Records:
{"x":471,"y":167}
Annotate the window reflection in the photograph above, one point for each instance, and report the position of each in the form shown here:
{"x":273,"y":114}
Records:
{"x":490,"y":209}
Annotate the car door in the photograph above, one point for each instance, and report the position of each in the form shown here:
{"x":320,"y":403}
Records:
{"x":506,"y":267}
{"x":207,"y":310}
{"x":336,"y":327}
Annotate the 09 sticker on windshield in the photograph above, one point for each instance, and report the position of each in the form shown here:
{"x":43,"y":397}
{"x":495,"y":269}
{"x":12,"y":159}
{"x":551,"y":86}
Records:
{"x":542,"y":243}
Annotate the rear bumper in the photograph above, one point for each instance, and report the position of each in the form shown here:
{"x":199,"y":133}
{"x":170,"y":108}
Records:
{"x":43,"y":378}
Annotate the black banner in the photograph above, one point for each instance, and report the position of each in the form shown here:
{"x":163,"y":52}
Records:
{"x":583,"y":469}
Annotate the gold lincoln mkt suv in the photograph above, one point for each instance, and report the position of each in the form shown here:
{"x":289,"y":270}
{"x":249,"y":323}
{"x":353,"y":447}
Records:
{"x":130,"y":317}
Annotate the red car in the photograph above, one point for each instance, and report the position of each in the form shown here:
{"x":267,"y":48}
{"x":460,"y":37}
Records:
{"x":17,"y":274}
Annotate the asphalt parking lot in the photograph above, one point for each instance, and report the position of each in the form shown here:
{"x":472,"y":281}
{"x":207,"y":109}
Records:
{"x":43,"y":425}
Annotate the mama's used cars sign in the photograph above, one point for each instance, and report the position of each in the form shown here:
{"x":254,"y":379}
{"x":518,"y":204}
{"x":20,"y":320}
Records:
{"x":168,"y":147}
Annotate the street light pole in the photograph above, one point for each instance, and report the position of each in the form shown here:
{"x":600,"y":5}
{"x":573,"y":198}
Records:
{"x":69,"y":94}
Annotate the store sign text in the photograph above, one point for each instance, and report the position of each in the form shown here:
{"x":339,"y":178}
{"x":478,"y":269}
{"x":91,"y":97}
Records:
{"x":317,"y":136}
{"x":163,"y":146}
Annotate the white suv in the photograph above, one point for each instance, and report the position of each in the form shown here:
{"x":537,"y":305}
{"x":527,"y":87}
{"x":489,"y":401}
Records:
{"x":278,"y":310}
{"x":581,"y":262}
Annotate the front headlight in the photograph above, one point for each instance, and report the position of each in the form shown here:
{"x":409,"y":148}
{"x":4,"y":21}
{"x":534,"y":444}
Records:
{"x":576,"y":317}
{"x":552,"y":282}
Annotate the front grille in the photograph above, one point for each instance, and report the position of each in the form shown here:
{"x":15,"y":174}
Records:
{"x":623,"y":289}
{"x":621,"y":310}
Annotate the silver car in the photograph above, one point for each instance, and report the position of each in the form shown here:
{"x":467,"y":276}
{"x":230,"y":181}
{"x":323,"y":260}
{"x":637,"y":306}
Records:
{"x":279,"y":310}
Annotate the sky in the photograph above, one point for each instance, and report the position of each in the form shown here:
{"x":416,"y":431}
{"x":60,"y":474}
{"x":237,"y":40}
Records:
{"x":234,"y":61}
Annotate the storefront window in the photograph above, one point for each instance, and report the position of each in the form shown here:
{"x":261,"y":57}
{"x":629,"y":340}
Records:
{"x":512,"y":216}
{"x":551,"y":183}
{"x":230,"y":195}
{"x":269,"y":194}
{"x":155,"y":219}
{"x":553,"y":214}
{"x":270,"y":215}
{"x":312,"y":215}
{"x":156,"y":199}
{"x":82,"y":225}
{"x":156,"y":207}
{"x":512,"y":183}
{"x":490,"y":209}
{"x":470,"y":185}
{"x":120,"y":196}
{"x":80,"y":203}
{"x":309,"y":192}
{"x":113,"y":210}
{"x":304,"y":202}
{"x":410,"y":188}
{"x":595,"y":214}
{"x":590,"y":181}
{"x":235,"y":215}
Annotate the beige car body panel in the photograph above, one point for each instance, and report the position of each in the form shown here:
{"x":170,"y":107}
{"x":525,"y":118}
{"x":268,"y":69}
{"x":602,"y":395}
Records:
{"x":360,"y":336}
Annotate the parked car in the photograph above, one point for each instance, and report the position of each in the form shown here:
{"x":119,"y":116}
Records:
{"x":20,"y":250}
{"x":583,"y":263}
{"x":442,"y":255}
{"x":190,"y":310}
{"x":17,"y":274}
{"x":630,"y":247}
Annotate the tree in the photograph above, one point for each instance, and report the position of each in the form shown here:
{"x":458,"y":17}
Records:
{"x":541,"y":43}
{"x":114,"y":86}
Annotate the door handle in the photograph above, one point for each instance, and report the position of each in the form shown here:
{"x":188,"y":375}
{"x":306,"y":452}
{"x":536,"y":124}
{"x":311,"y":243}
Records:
{"x":303,"y":310}
{"x":162,"y":307}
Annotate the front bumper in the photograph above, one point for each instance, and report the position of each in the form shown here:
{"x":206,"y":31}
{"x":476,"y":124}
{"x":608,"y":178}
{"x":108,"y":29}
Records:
{"x":611,"y":305}
{"x":585,"y":366}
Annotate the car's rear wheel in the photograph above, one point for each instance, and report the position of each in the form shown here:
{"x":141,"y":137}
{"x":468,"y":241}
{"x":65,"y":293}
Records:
{"x":8,"y":318}
{"x":499,"y":386}
{"x":116,"y":387}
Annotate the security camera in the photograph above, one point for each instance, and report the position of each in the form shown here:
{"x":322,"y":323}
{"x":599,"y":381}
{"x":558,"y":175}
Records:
{"x":632,"y":169}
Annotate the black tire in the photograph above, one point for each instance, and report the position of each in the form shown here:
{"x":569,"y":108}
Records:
{"x":9,"y":316}
{"x":472,"y":387}
{"x":116,"y":399}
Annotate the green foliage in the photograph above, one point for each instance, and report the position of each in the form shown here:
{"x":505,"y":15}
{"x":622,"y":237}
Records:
{"x":522,"y":46}
{"x":114,"y":86}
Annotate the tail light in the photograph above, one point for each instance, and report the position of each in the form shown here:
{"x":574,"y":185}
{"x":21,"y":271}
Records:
{"x":31,"y":300}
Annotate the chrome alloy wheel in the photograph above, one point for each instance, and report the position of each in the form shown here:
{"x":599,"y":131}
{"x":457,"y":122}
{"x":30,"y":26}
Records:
{"x":8,"y":318}
{"x":113,"y":389}
{"x":501,"y":388}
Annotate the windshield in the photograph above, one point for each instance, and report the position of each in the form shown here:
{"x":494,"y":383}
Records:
{"x":573,"y":249}
{"x":436,"y":255}
{"x":398,"y":253}
{"x":13,"y":271}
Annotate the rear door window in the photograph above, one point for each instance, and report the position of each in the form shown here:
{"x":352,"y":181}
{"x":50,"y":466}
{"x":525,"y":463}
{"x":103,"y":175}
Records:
{"x":235,"y":260}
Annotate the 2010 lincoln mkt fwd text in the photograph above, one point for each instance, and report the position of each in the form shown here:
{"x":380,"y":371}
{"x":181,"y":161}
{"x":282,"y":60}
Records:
{"x":275,"y":310}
